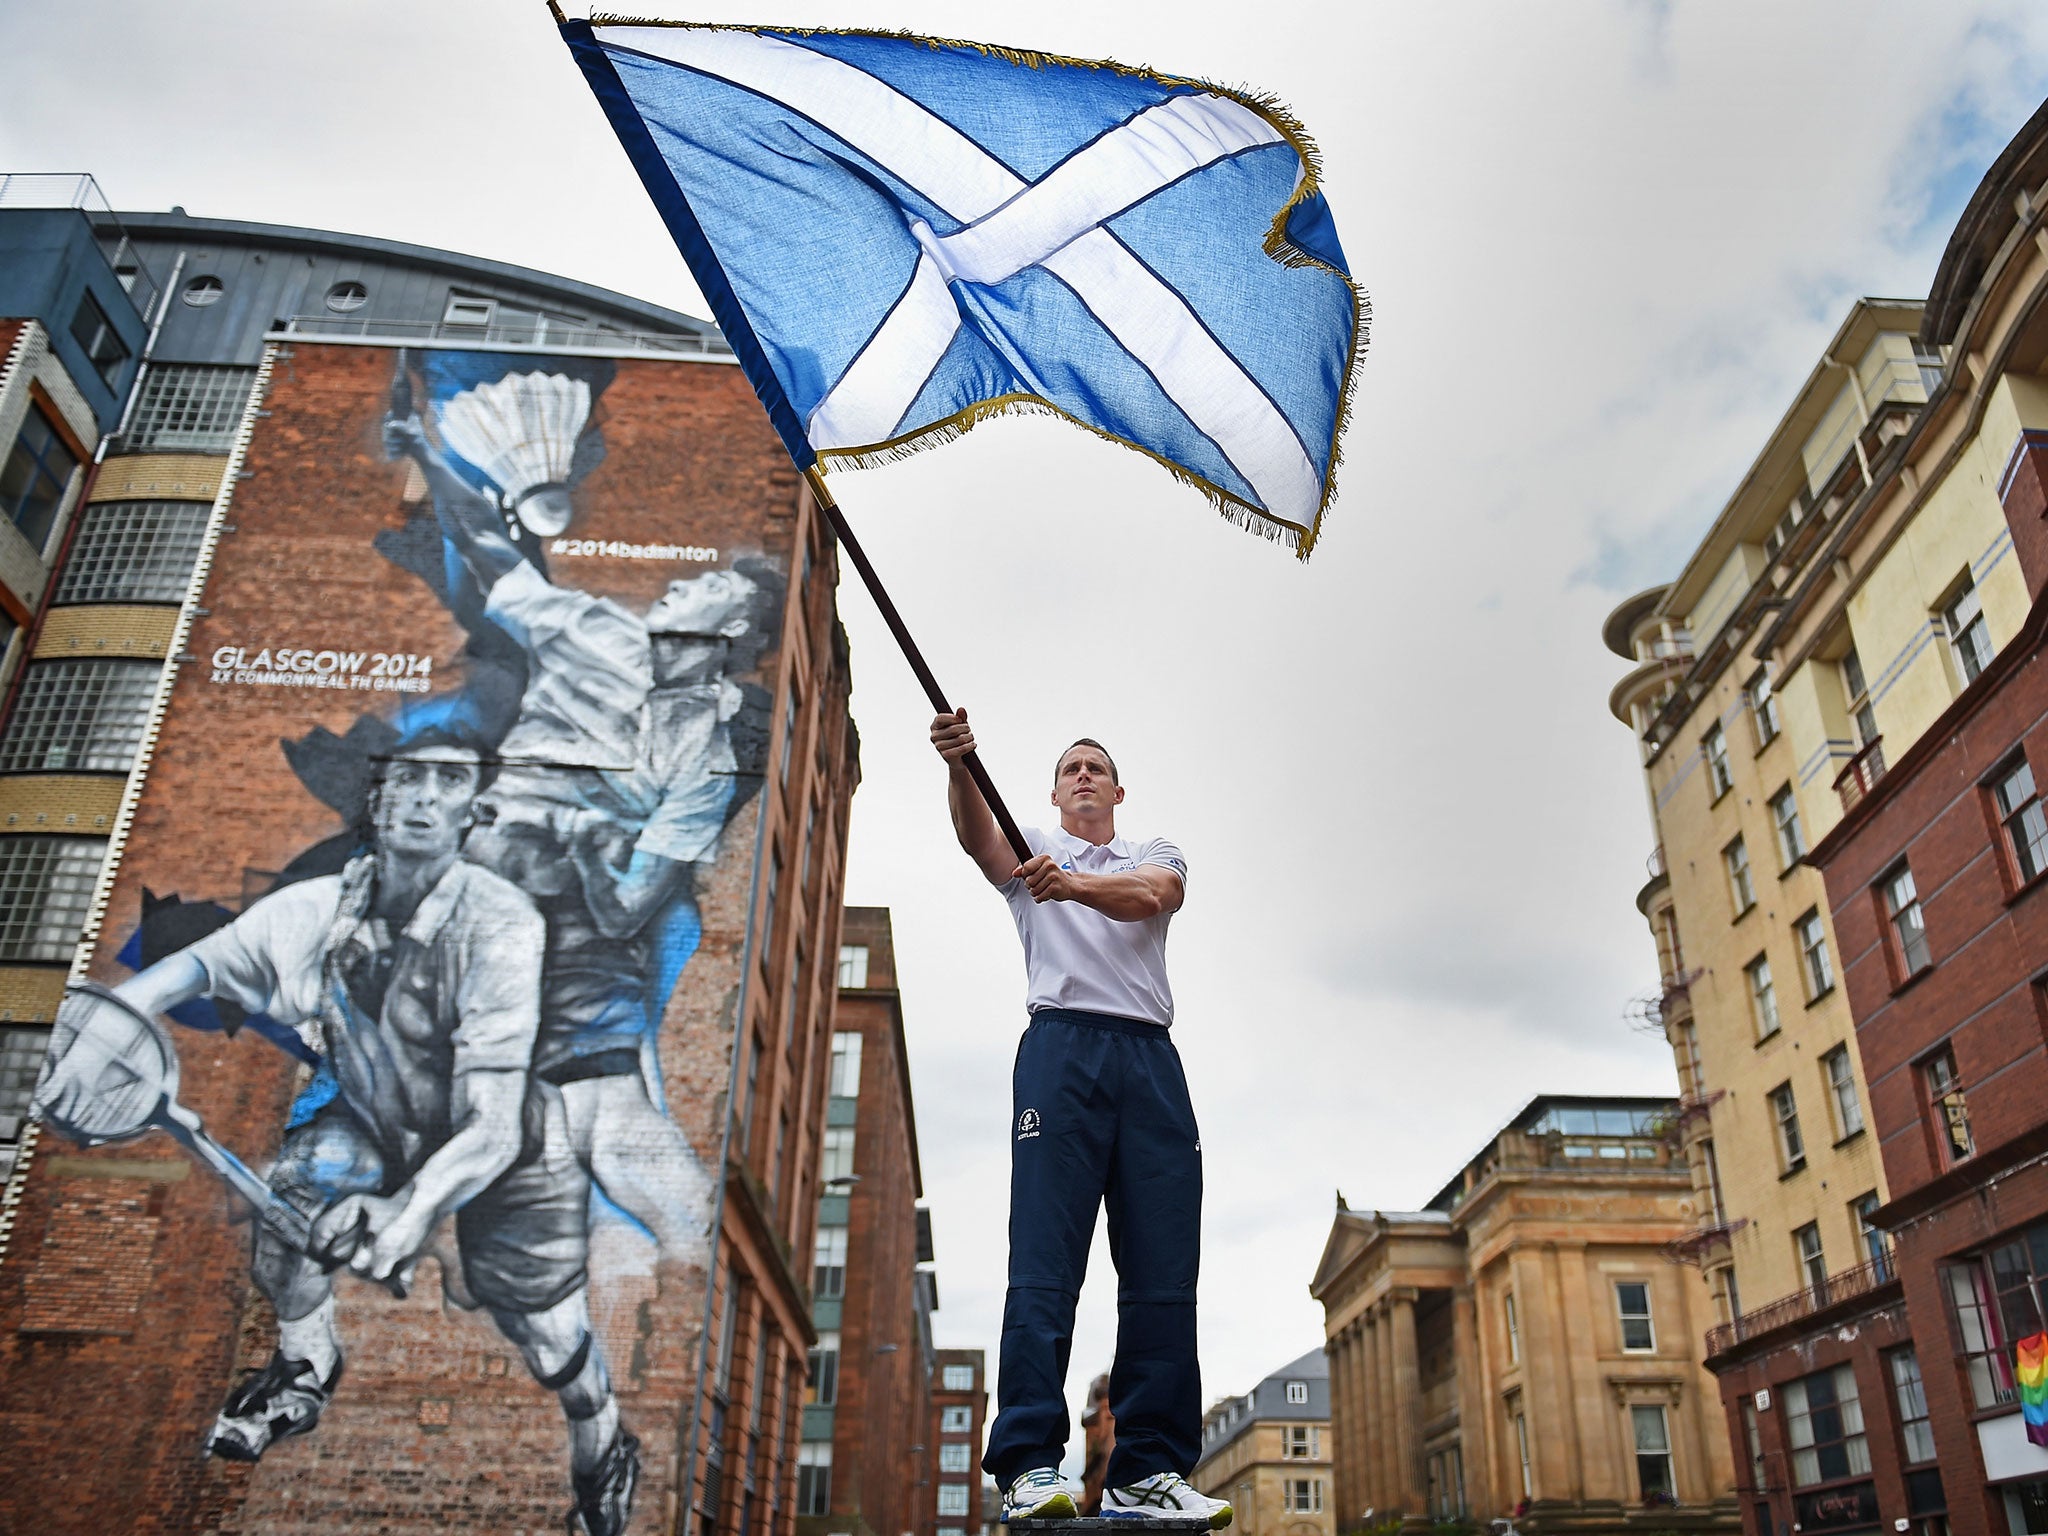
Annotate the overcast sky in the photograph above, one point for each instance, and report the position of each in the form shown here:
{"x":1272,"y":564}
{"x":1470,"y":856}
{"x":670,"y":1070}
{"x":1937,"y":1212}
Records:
{"x":1604,"y":242}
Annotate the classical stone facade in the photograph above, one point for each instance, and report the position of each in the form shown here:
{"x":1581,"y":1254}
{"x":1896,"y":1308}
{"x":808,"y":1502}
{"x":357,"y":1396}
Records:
{"x":1524,"y":1339}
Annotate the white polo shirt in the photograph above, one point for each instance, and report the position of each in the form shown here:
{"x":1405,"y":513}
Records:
{"x":1075,"y":956}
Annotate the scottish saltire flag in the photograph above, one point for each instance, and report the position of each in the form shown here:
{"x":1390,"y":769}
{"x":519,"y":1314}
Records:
{"x":901,"y":236}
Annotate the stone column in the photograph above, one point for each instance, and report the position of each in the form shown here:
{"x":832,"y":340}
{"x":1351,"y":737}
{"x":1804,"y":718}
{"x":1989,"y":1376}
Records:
{"x":1382,"y":1426}
{"x":1342,"y":1409}
{"x":1476,"y":1436}
{"x":1406,"y":1398}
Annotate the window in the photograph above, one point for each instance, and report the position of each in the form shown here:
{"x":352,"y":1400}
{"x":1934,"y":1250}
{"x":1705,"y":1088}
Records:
{"x":743,"y":1130}
{"x":343,"y":298}
{"x":203,"y":290}
{"x":1507,"y":1306}
{"x":824,"y":1386}
{"x":1914,"y":1427}
{"x":845,"y":1082}
{"x":1297,"y":1391}
{"x":956,"y":1421}
{"x":1740,"y":887}
{"x":955,"y":1458}
{"x":1908,"y":923}
{"x":956,"y":1378}
{"x":1824,"y":1418}
{"x":2020,"y":812}
{"x":1300,"y":1442}
{"x":1753,"y":1436}
{"x":853,"y":966}
{"x":1877,"y":1249}
{"x":1304,"y":1495}
{"x":774,"y":895}
{"x":836,"y":1160}
{"x":1714,"y":747}
{"x":1951,"y":1114}
{"x":828,"y":1269}
{"x":1969,"y":637}
{"x":1632,"y":1302}
{"x":21,"y":1059}
{"x":814,"y":1477}
{"x":1653,"y":1451}
{"x":1857,"y":692}
{"x":788,"y":736}
{"x":46,"y":886}
{"x":1813,"y":1264}
{"x":1785,"y":817}
{"x":1522,"y":1445}
{"x":36,"y":476}
{"x":1817,"y":972}
{"x":1716,"y":1209}
{"x":1763,"y":709}
{"x":1694,"y":1068}
{"x":952,"y":1498}
{"x":133,"y":552}
{"x":1791,"y":1146}
{"x":1841,"y":1075}
{"x":463,"y":310}
{"x":794,"y":1008}
{"x":79,"y":715}
{"x":188,"y":408}
{"x":1984,"y":1351}
{"x":97,"y":338}
{"x":1763,"y":997}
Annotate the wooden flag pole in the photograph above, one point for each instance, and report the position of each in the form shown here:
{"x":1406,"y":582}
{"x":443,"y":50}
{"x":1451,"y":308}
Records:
{"x":932,"y":690}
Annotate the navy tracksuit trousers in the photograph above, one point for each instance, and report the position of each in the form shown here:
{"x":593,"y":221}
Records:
{"x":1101,"y":1118}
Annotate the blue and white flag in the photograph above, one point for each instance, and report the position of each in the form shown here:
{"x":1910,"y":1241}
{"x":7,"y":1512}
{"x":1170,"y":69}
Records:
{"x":900,"y":236}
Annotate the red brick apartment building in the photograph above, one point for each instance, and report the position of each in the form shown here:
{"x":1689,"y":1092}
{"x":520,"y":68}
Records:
{"x":959,"y":1406}
{"x":864,"y":1458}
{"x":653,"y":766}
{"x":1937,"y":876}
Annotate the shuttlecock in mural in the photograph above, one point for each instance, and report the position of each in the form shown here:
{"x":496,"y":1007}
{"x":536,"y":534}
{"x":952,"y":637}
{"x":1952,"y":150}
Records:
{"x":521,"y":431}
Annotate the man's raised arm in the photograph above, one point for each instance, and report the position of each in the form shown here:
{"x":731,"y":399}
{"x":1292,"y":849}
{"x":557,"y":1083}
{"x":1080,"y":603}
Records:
{"x":973,"y":823}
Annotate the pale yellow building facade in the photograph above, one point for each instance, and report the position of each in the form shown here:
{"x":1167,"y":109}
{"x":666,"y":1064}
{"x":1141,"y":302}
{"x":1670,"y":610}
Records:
{"x":1268,"y":1453}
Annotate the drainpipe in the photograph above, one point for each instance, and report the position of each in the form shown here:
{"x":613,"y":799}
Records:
{"x":163,"y":307}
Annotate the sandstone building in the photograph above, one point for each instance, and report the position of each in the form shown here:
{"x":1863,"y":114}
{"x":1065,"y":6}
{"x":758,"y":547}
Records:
{"x":1269,"y":1453}
{"x":1523,"y":1338}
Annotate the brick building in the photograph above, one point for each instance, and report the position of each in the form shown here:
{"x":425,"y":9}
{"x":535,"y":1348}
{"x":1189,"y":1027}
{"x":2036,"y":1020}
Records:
{"x":959,"y":1407}
{"x":1935,"y":873}
{"x":864,"y":1457}
{"x":317,"y":602}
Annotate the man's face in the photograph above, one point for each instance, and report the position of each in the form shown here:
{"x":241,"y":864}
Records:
{"x":1083,"y":781}
{"x":424,"y":801}
{"x":715,"y":603}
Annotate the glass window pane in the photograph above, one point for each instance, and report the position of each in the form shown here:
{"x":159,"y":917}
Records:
{"x":133,"y":552}
{"x":46,"y":886}
{"x":79,"y":716}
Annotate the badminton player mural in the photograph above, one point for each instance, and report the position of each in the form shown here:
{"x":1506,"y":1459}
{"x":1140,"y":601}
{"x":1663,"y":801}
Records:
{"x":475,"y":969}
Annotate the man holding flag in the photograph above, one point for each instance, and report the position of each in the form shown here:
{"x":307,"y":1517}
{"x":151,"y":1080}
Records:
{"x":1102,"y":1120}
{"x":901,"y":237}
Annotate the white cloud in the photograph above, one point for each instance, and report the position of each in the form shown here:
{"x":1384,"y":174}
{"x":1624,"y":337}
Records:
{"x":1604,"y":241}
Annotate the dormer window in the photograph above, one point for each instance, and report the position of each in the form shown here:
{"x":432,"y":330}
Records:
{"x":1297,"y":1391}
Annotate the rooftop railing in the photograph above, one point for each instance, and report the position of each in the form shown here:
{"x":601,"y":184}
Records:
{"x":550,"y":335}
{"x":77,"y":189}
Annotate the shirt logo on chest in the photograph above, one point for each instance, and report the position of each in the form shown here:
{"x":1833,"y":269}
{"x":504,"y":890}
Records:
{"x":1028,"y":1125}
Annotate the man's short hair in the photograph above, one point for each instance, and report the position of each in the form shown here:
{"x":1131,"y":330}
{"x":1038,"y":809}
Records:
{"x":1085,"y":741}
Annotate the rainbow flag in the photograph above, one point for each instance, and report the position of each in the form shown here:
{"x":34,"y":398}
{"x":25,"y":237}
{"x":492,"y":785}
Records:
{"x":2030,"y":1364}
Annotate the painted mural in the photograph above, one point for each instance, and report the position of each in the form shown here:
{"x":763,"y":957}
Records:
{"x":472,"y":973}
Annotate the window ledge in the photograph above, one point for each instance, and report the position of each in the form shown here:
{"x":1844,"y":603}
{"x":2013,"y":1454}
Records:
{"x":1913,"y":980}
{"x":1742,"y":914}
{"x":1821,"y":996}
{"x":1764,"y":1040}
{"x":1793,"y":868}
{"x":1844,"y":1141}
{"x":2027,"y":889}
{"x":1793,"y":1173}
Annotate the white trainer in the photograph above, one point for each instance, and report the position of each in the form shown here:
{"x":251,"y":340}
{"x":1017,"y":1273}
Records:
{"x":1164,"y":1496}
{"x":1041,"y":1494}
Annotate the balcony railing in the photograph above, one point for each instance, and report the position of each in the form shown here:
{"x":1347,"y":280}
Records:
{"x":1655,"y":862}
{"x":553,"y":335}
{"x":1862,"y":775}
{"x":1837,"y":1288}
